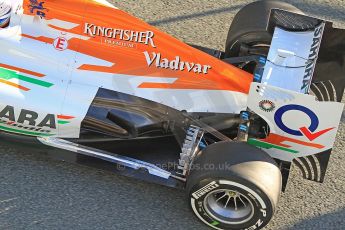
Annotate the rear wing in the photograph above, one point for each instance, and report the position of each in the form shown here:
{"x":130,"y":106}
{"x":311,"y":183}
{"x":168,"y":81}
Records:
{"x":308,"y":56}
{"x":298,"y":92}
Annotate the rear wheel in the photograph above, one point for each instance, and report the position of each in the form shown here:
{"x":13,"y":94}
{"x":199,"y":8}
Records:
{"x":234,"y":186}
{"x":249,"y":28}
{"x":229,"y":205}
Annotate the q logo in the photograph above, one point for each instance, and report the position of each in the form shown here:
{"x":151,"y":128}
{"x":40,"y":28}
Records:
{"x":309,"y":132}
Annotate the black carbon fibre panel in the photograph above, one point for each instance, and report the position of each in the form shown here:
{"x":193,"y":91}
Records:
{"x":314,"y":167}
{"x":293,"y":22}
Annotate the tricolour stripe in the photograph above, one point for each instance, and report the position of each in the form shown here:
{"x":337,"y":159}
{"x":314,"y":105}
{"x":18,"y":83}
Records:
{"x":266,"y":145}
{"x":22,"y":70}
{"x":14,"y":85}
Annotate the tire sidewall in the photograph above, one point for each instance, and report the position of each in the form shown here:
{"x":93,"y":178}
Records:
{"x":253,"y":19}
{"x":263,"y":211}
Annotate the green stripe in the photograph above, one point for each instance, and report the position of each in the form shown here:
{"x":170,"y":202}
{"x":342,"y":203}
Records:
{"x":24,"y":132}
{"x":63,"y":122}
{"x":265,"y":145}
{"x":9,"y":74}
{"x":215,"y":223}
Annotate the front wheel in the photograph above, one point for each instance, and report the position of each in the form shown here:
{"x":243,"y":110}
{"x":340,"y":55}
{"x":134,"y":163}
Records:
{"x":234,"y":186}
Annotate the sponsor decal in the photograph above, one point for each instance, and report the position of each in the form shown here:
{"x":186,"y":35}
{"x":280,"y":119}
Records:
{"x":8,"y":73}
{"x":314,"y":51}
{"x":126,"y":36}
{"x":60,"y":43}
{"x":22,"y":129}
{"x":211,"y":186}
{"x":155,"y":59}
{"x":309,"y":132}
{"x":111,"y":42}
{"x":267,"y":105}
{"x":30,"y":122}
{"x":36,"y":7}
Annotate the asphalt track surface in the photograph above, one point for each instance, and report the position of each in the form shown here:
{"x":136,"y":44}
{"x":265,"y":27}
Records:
{"x":39,"y":193}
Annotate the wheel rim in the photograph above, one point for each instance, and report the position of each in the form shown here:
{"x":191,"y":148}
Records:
{"x":229,"y":206}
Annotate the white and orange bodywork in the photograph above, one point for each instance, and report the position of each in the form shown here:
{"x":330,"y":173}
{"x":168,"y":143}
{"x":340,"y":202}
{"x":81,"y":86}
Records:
{"x":57,"y":54}
{"x":62,"y":52}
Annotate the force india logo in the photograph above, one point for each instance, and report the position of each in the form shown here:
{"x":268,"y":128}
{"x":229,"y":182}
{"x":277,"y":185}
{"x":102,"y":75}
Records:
{"x":29,"y":122}
{"x":145,"y":37}
{"x":267,"y":105}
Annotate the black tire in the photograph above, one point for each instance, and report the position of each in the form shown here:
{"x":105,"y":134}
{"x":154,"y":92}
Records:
{"x":246,"y":174}
{"x":250,"y":26}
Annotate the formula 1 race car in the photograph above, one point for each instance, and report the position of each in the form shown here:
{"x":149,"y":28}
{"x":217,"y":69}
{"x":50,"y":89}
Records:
{"x":85,"y":82}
